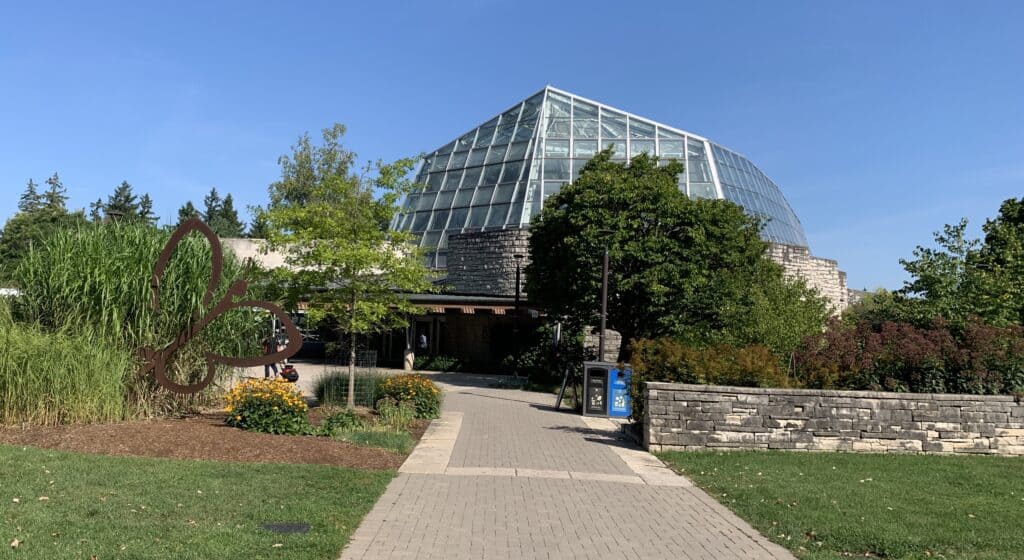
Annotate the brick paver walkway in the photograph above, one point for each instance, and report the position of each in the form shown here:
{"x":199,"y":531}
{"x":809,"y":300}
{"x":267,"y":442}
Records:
{"x":504,"y":476}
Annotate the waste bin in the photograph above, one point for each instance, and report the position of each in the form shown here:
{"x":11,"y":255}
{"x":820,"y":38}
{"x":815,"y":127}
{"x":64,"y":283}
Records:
{"x":595,"y":388}
{"x":619,"y":404}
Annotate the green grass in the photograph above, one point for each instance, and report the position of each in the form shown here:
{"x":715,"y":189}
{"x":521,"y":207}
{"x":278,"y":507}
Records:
{"x":397,"y":441}
{"x":114,"y":507}
{"x":332,"y":388}
{"x":824,"y":505}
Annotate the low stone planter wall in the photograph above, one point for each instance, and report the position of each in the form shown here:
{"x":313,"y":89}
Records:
{"x":686,"y":417}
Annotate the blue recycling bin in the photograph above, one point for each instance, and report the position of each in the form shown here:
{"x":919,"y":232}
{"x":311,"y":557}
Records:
{"x":619,"y":404}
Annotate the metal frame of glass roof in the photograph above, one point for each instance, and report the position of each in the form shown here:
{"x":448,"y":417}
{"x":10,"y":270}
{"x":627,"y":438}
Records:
{"x":498,"y":174}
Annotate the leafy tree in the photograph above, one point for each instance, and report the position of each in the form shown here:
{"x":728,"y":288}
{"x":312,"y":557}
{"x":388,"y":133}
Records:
{"x":187,"y":212}
{"x":30,"y":199}
{"x":691,"y":269}
{"x":332,"y":228}
{"x":942,"y":277}
{"x":999,"y":289}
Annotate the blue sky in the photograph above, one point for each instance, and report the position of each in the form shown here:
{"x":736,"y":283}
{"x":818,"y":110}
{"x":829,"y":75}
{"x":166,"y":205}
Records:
{"x":881,"y":121}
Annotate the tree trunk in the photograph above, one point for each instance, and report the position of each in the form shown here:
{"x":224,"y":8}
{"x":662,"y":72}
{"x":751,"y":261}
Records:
{"x":352,"y":354}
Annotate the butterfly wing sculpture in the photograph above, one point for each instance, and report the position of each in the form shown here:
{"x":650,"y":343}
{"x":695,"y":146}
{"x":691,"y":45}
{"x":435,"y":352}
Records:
{"x":155,"y":360}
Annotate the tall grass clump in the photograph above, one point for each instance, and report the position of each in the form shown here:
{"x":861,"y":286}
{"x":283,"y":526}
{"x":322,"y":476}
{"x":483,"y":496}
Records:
{"x":95,"y":279}
{"x":57,"y":377}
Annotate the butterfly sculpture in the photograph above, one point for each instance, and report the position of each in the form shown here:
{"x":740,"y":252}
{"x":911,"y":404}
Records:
{"x":155,"y":359}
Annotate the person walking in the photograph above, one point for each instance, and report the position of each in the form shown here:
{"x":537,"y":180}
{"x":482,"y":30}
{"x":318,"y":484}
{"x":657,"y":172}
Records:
{"x":269,"y":347}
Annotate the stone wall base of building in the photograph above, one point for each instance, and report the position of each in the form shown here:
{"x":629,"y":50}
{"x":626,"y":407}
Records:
{"x":688,"y":417}
{"x":822,"y":274}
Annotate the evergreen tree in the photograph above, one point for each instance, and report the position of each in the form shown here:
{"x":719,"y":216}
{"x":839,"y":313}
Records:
{"x":211,"y":206}
{"x":30,"y":199}
{"x":187,"y":212}
{"x":96,"y":210}
{"x":228,"y":223}
{"x":123,"y":204}
{"x":146,"y":210}
{"x":259,"y":229}
{"x":55,"y":196}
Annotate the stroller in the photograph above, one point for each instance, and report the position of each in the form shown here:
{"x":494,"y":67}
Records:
{"x":289,"y":373}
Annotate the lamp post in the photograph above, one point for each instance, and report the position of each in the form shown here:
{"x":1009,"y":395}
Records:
{"x":515,"y":317}
{"x":604,"y":295}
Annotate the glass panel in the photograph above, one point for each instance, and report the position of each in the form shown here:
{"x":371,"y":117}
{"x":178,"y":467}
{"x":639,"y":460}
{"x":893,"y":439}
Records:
{"x":552,"y":187}
{"x":584,"y":120}
{"x":476,"y":157}
{"x":503,"y":193}
{"x":452,"y":182}
{"x":463,"y":197}
{"x":702,"y":190}
{"x":434,"y":181}
{"x":485,"y":135}
{"x":472,"y":177}
{"x":524,"y":132}
{"x":556,"y":148}
{"x":410,"y":201}
{"x":439,"y":220}
{"x":613,"y":125}
{"x":517,"y":151}
{"x":511,"y":115}
{"x":443,"y":243}
{"x":642,"y":146}
{"x":459,"y":160}
{"x":520,"y":192}
{"x":483,"y":195}
{"x":640,"y":129}
{"x":466,"y":141}
{"x":584,"y":148}
{"x":440,"y":162}
{"x":582,"y":110}
{"x":458,"y":218}
{"x":426,"y":201}
{"x":558,"y":105}
{"x":497,"y":216}
{"x":556,"y":169}
{"x":420,"y":221}
{"x":671,"y":149}
{"x":442,"y":258}
{"x":618,"y":148}
{"x":477,"y":216}
{"x":515,"y":216}
{"x":504,"y":133}
{"x":431,"y":238}
{"x":511,"y":172}
{"x":666,"y":133}
{"x":444,"y":199}
{"x":532,"y":106}
{"x":577,"y":167}
{"x":491,"y":174}
{"x":497,"y":153}
{"x":558,"y":127}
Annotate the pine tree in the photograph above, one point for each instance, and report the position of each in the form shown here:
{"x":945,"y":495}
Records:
{"x":146,"y":210}
{"x":96,"y":210}
{"x":260,"y":228}
{"x":30,"y":199}
{"x":228,"y":223}
{"x":123,"y":204}
{"x":55,"y":196}
{"x":187,"y":212}
{"x":211,"y":206}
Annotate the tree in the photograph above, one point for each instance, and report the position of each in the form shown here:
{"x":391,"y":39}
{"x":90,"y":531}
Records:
{"x":941,"y":277}
{"x":679,"y":267}
{"x":122,"y":204}
{"x":187,"y":212}
{"x":211,"y":206}
{"x":259,"y":229}
{"x":55,"y":196}
{"x":227,"y":219}
{"x":96,"y":210}
{"x":332,"y":229}
{"x":999,"y":289}
{"x":146,"y":210}
{"x":30,"y":199}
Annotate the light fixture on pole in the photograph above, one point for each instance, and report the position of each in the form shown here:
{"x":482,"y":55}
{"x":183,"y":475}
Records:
{"x":515,"y":317}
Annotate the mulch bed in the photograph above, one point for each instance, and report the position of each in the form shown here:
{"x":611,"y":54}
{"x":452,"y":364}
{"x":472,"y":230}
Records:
{"x":206,"y":437}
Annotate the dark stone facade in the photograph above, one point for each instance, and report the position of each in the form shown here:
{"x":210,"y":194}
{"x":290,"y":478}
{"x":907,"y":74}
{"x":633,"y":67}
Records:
{"x":482,"y":262}
{"x":685,"y":417}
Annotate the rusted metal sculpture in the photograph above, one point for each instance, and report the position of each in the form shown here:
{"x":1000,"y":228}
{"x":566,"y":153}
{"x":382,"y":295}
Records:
{"x":155,"y":360}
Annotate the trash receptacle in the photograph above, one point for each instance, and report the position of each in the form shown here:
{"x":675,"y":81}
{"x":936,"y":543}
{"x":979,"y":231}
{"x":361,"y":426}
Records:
{"x":595,"y":388}
{"x":619,"y":404}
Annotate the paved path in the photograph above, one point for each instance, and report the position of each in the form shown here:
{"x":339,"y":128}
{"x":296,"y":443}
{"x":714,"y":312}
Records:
{"x":503,"y":476}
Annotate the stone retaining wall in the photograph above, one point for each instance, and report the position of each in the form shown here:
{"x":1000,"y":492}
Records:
{"x":685,"y":417}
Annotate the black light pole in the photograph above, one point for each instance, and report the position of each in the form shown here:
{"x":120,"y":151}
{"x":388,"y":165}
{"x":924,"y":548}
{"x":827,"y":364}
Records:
{"x":515,"y":318}
{"x":604,"y":296}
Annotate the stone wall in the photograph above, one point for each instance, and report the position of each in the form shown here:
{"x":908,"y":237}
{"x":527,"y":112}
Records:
{"x":481,"y":262}
{"x":822,"y":274}
{"x":685,"y":417}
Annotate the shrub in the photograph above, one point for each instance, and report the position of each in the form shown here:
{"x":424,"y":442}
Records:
{"x":396,"y":415}
{"x":332,"y":388}
{"x":341,"y":421}
{"x":668,"y":360}
{"x":58,"y":378}
{"x":268,"y":406}
{"x":421,"y":392}
{"x":437,"y":363}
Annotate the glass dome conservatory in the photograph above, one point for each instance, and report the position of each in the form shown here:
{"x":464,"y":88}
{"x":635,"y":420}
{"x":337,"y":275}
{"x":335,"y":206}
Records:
{"x":499,"y":174}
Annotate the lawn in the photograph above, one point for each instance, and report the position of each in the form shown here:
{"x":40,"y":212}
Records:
{"x":827,"y":505}
{"x":69,"y":505}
